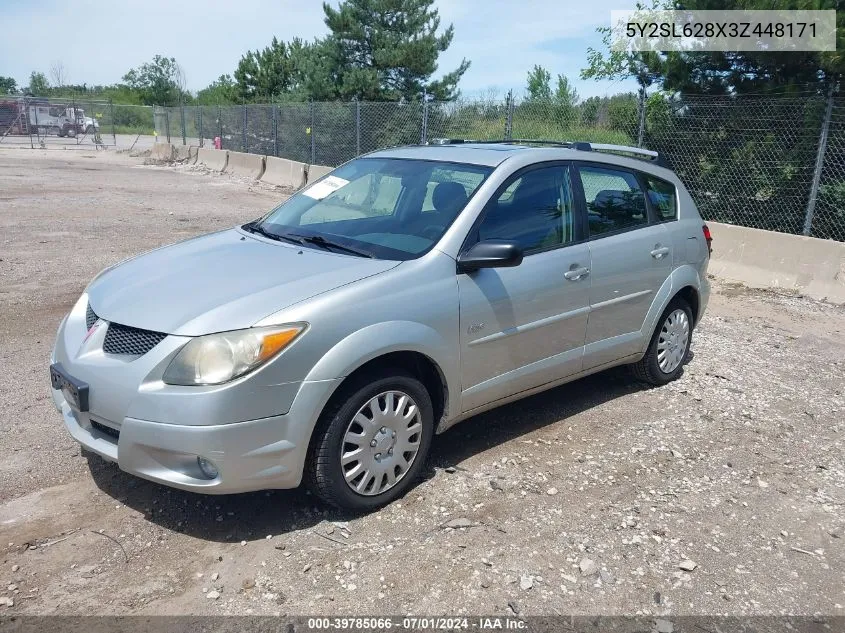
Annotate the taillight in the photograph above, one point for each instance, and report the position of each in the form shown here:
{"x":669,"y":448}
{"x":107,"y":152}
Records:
{"x":709,"y":238}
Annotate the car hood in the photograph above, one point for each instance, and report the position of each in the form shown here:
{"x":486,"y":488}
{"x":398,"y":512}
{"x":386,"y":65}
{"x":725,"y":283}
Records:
{"x":219,"y":282}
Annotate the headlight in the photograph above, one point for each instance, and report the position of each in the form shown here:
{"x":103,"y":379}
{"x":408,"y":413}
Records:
{"x":218,"y":358}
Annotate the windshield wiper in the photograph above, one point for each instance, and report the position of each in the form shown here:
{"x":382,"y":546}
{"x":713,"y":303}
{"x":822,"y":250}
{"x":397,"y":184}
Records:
{"x":255,"y":227}
{"x":319,"y":240}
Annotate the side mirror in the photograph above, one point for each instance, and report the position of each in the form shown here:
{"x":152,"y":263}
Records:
{"x":490,"y":254}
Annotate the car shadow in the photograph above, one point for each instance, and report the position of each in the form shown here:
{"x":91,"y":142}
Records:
{"x":511,"y":421}
{"x":254,"y":516}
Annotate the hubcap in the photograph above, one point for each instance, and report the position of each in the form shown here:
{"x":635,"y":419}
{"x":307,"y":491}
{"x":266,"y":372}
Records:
{"x":673,"y":341}
{"x":381,"y":442}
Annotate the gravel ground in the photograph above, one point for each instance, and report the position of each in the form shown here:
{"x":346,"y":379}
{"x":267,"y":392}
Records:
{"x":721,"y":493}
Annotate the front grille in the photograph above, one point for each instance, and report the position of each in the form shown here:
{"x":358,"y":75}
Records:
{"x":106,"y":430}
{"x":122,"y":339}
{"x":90,"y":317}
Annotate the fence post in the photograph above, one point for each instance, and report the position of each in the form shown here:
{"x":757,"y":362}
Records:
{"x":202,"y":134}
{"x":27,"y":105}
{"x":817,"y":172}
{"x":220,"y":125}
{"x":75,"y":119}
{"x":111,"y":114}
{"x":275,"y":129}
{"x":167,"y":122}
{"x":37,"y":131}
{"x":509,"y":116}
{"x":245,"y":149}
{"x":641,"y":112}
{"x":424,"y":129}
{"x":357,"y":127}
{"x":311,"y":130}
{"x":182,"y":116}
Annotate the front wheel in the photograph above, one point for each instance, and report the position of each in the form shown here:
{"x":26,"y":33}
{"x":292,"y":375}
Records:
{"x":372,"y":441}
{"x":669,"y":347}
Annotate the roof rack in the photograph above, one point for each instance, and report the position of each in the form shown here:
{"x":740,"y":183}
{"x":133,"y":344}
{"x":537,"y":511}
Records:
{"x":582,"y":146}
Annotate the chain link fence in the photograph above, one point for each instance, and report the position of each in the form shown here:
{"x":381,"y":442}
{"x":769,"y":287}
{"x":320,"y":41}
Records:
{"x":768,"y":162}
{"x":54,"y":121}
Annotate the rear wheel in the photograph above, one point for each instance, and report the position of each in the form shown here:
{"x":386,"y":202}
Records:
{"x":372,"y":441}
{"x":669,"y":347}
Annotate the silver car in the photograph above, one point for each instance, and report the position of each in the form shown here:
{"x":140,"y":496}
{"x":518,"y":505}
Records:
{"x":404,"y":292}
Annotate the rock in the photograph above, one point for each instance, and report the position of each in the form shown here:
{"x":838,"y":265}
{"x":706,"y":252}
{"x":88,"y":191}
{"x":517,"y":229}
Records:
{"x":495,"y":484}
{"x":588,"y":567}
{"x":249,"y":583}
{"x":215,"y":576}
{"x":526,"y":582}
{"x":11,"y":587}
{"x":551,"y":491}
{"x":514,"y":607}
{"x":450,"y":469}
{"x":687,"y":565}
{"x":306,"y":568}
{"x":762,"y":483}
{"x":15,"y":567}
{"x":461,"y":522}
{"x":6,"y":602}
{"x":243,"y":543}
{"x":212,"y":595}
{"x":606,"y":577}
{"x":486,"y":562}
{"x":569,"y":578}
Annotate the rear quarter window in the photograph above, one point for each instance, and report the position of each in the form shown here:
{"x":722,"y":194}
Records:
{"x":663,"y":197}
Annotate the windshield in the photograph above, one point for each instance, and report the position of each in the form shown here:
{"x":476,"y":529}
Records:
{"x":387,"y":208}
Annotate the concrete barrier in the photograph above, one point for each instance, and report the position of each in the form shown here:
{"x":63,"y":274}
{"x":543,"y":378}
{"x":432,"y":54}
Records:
{"x":284,"y":172}
{"x":765,"y":259}
{"x":249,"y":165}
{"x":162,"y":153}
{"x":317,"y":171}
{"x":214,"y":159}
{"x":182,"y":152}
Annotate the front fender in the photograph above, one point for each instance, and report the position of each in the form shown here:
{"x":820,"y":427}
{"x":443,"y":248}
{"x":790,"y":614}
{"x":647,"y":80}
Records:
{"x":368,"y":343}
{"x":686,"y":275}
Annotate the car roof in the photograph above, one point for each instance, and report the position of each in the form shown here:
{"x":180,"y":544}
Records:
{"x":494,"y":154}
{"x":489,"y":154}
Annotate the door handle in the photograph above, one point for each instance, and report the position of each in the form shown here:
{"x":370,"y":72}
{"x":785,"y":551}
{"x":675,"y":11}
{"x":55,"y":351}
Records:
{"x":576,"y":273}
{"x":660,"y":252}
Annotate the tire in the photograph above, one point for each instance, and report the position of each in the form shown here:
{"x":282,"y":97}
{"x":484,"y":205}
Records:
{"x":324,"y":473}
{"x":71,"y":132}
{"x":653,"y":368}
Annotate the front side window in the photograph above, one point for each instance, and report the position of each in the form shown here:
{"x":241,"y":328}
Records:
{"x":614,"y":200}
{"x":663,"y":198}
{"x":534,"y":209}
{"x":387,"y":208}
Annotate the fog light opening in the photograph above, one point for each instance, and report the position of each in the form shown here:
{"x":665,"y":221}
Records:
{"x":207,"y":467}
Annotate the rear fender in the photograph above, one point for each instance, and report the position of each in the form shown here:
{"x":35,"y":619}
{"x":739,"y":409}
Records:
{"x":685,"y":275}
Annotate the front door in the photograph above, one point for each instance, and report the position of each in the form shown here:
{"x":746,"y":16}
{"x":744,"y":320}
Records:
{"x":523,"y":327}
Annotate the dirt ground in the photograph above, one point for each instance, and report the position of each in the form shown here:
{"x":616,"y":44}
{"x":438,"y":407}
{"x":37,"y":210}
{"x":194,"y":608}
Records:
{"x":722,"y":493}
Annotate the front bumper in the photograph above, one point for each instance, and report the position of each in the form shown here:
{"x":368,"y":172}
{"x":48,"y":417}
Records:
{"x":253,"y":455}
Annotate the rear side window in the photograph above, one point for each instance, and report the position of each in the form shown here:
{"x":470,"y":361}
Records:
{"x":615,"y":200}
{"x":663,"y":198}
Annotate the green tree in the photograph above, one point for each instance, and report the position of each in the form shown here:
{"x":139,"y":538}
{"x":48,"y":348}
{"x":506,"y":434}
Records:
{"x":38,"y":84}
{"x":280,"y":68}
{"x":160,"y":82}
{"x":223,"y":90}
{"x":387,"y":50}
{"x":8,"y":86}
{"x":738,"y":72}
{"x":538,"y":87}
{"x":565,"y":94}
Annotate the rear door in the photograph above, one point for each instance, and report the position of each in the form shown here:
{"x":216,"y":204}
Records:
{"x":524,"y":326}
{"x":631,"y":256}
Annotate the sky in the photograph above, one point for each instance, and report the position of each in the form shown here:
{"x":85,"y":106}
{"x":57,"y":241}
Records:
{"x":98,"y":42}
